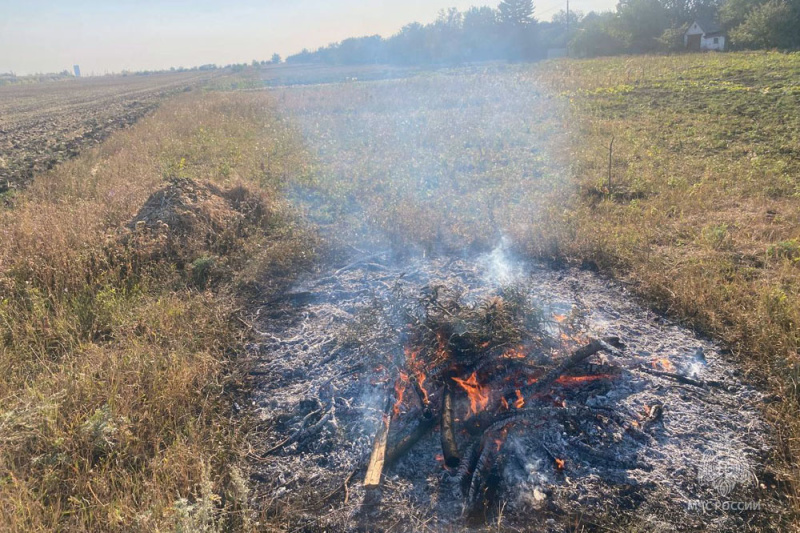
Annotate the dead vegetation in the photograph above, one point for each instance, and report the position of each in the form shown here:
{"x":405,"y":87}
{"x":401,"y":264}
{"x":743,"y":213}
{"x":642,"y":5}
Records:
{"x":121,"y":274}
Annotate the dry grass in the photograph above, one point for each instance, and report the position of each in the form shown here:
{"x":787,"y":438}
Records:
{"x":115,"y":362}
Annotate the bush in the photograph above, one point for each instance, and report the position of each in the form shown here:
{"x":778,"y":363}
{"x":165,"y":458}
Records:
{"x":774,"y":24}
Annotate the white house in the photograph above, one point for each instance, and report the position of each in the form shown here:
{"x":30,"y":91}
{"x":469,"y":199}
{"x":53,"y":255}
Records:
{"x":704,"y":35}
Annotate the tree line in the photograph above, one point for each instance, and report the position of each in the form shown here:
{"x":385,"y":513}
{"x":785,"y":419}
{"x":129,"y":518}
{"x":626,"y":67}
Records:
{"x":511,"y":31}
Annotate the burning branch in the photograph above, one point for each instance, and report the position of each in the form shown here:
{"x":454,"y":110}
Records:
{"x":577,"y":357}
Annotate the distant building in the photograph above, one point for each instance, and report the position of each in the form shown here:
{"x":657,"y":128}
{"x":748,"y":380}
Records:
{"x":704,"y":35}
{"x":77,"y":70}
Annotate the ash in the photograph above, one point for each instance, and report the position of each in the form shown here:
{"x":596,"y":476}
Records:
{"x":631,"y":439}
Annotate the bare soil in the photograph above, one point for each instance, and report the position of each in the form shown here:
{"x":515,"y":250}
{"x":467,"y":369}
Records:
{"x":45,"y":123}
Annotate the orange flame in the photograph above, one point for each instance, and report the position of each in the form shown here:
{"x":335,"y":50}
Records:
{"x":514,"y":353}
{"x":478,"y":394}
{"x":441,"y":348}
{"x":573,"y":380}
{"x":501,"y":438}
{"x":504,"y":402}
{"x":559,"y":318}
{"x":664,"y":363}
{"x":400,"y":391}
{"x":420,"y":381}
{"x":559,"y":464}
{"x":519,"y":403}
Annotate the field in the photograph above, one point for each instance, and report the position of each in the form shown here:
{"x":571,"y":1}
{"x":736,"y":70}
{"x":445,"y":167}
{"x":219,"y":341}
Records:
{"x":43,"y":124}
{"x":123,"y":340}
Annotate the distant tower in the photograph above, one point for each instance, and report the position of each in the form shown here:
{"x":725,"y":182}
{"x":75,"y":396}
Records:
{"x":77,"y":70}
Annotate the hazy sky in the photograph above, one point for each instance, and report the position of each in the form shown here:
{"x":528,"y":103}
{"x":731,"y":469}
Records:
{"x":113,"y":35}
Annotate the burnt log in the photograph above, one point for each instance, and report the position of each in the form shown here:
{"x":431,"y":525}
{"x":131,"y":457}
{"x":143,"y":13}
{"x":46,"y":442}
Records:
{"x":452,"y":457}
{"x":577,"y":357}
{"x":402,"y":446}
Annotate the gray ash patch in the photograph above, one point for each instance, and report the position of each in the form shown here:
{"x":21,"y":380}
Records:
{"x":629,"y":440}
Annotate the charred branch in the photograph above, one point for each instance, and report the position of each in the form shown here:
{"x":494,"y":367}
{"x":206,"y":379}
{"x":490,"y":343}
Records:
{"x":578,"y":356}
{"x":402,"y":446}
{"x":452,"y":458}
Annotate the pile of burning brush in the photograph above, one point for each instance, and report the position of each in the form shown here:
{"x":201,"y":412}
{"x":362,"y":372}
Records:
{"x":478,"y":371}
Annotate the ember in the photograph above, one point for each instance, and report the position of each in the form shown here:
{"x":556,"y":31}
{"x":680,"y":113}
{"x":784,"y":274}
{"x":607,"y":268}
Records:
{"x":663,"y":364}
{"x":574,"y":380}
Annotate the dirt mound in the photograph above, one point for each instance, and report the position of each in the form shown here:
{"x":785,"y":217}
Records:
{"x":196,"y":223}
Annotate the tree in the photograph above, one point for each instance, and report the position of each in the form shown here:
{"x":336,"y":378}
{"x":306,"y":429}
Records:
{"x":518,"y":28}
{"x":574,"y":19}
{"x":481,"y":35}
{"x":770,"y":25}
{"x":409,"y":46}
{"x":641,"y":23}
{"x":516,"y":12}
{"x":733,"y":12}
{"x":444,"y":36}
{"x":672,"y":38}
{"x":597,"y":37}
{"x":276,"y":59}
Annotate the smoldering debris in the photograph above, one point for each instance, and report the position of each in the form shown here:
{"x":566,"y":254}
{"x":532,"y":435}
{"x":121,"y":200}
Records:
{"x":490,"y":413}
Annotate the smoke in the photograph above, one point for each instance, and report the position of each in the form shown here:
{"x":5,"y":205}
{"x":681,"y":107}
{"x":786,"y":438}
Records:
{"x":445,"y":162}
{"x":501,"y":270}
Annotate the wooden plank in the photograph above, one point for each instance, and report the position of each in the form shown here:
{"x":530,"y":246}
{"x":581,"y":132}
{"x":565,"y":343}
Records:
{"x":378,"y":457}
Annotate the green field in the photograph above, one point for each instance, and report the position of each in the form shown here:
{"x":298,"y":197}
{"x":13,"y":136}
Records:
{"x":118,"y":347}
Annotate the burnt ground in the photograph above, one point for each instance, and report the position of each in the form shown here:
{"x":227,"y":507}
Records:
{"x":46,"y":123}
{"x":665,"y":435}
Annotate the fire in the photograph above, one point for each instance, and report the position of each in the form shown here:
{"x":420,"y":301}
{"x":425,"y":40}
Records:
{"x":559,"y":464}
{"x":400,"y":391}
{"x":573,"y":380}
{"x":514,"y":353}
{"x":519,"y":403}
{"x":478,"y":394}
{"x":420,"y":380}
{"x":415,"y":365}
{"x":504,"y":402}
{"x":559,"y":318}
{"x":501,"y":438}
{"x":664,"y":363}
